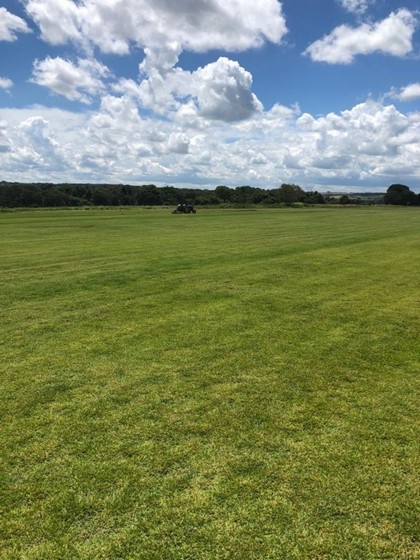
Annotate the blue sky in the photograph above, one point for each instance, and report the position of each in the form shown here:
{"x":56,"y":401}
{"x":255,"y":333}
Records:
{"x":322,"y":93}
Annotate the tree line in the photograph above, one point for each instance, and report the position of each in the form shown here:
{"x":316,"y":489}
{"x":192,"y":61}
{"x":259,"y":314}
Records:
{"x":14,"y":195}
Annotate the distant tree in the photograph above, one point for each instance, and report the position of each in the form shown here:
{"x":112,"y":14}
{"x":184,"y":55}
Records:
{"x":224,"y":194}
{"x":289,"y":193}
{"x":100,"y":197}
{"x":258,"y":195}
{"x":171,"y":195}
{"x":344,"y":199}
{"x":149,"y":195}
{"x":314,"y":198}
{"x":400,"y":195}
{"x":207,"y":198}
{"x":243,"y":194}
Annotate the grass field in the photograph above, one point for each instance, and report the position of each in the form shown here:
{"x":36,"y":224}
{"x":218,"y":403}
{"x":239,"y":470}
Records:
{"x":233,"y":385}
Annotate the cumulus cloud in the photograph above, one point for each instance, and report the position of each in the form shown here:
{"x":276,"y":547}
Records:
{"x":392,"y":35}
{"x":4,"y":140}
{"x":197,"y":25}
{"x":407,"y":93}
{"x":5,"y":83}
{"x":223,"y":91}
{"x":77,"y":82}
{"x":178,"y":143}
{"x":369,"y":144}
{"x":11,"y":24}
{"x":38,"y":143}
{"x":219,"y":91}
{"x":32,"y":147}
{"x":58,"y":21}
{"x":356,"y":6}
{"x":359,"y":144}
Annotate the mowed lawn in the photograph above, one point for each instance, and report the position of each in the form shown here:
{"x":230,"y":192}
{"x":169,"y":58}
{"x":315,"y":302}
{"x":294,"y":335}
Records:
{"x":235,"y":384}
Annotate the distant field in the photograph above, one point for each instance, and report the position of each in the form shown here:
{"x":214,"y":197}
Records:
{"x":234,"y":385}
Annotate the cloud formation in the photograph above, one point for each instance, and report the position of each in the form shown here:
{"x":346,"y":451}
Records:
{"x":162,"y":29}
{"x":36,"y":147}
{"x":356,"y":6}
{"x":77,"y":82}
{"x":393,"y":36}
{"x":223,"y":91}
{"x":11,"y":24}
{"x":196,"y":25}
{"x":5,"y":83}
{"x":407,"y":93}
{"x":371,"y":144}
{"x":219,"y":91}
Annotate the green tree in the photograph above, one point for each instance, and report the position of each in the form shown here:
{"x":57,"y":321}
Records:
{"x":400,"y":195}
{"x":224,"y":194}
{"x":289,"y":193}
{"x":149,"y":195}
{"x":344,"y":199}
{"x":314,"y":198}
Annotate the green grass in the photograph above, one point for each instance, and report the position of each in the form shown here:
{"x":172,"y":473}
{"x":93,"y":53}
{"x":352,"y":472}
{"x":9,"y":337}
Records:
{"x":231,"y":385}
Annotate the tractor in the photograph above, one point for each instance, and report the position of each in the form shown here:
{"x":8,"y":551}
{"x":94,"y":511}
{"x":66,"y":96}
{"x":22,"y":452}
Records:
{"x":184,"y":209}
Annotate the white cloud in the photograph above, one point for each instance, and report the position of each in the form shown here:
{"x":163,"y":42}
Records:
{"x":218,"y":91}
{"x":11,"y":24}
{"x":162,"y":28}
{"x":356,"y":6}
{"x":371,"y":144}
{"x":4,"y":140}
{"x":197,"y":25}
{"x":357,"y":144}
{"x":223,"y":91}
{"x":77,"y":82}
{"x":5,"y":83}
{"x":34,"y":148}
{"x":392,"y":35}
{"x":407,"y":93}
{"x":58,"y":21}
{"x":38,"y":142}
{"x":178,"y":143}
